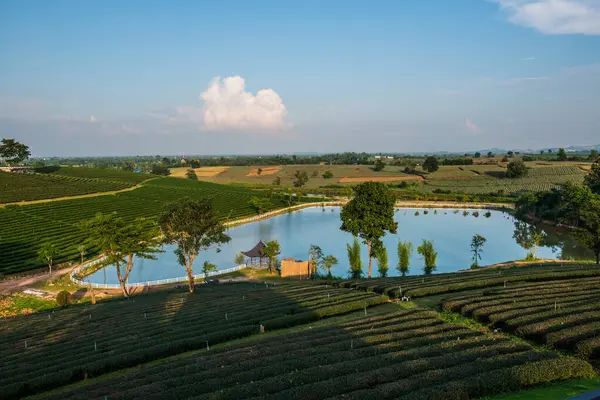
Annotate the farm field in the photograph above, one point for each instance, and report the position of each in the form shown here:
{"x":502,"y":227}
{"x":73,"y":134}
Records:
{"x":555,"y":306}
{"x":48,"y":350}
{"x":389,"y":353}
{"x":249,"y":175}
{"x":24,"y":228}
{"x":64,"y":182}
{"x":468,"y":179}
{"x":564,"y":314}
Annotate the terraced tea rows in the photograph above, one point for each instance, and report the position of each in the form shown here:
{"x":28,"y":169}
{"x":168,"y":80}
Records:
{"x":563,"y":313}
{"x":420,"y":286}
{"x":27,"y":187}
{"x":43,"y":351}
{"x":97,"y":173}
{"x":408,"y":354}
{"x":24,"y":228}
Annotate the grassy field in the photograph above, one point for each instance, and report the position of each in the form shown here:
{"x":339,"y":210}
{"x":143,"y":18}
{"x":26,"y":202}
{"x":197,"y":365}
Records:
{"x":63,"y":182}
{"x":319,"y":342}
{"x":24,"y":228}
{"x":472,"y":179}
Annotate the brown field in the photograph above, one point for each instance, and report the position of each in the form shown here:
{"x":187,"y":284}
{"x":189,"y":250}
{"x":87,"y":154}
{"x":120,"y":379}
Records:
{"x":265,"y":171}
{"x":202,"y":172}
{"x":356,"y":179}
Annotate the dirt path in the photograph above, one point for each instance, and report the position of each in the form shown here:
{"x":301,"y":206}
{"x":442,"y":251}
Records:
{"x":6,"y":287}
{"x":80,"y":196}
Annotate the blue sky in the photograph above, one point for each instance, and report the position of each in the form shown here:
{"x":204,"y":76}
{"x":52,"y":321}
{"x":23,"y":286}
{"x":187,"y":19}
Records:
{"x":168,"y":77}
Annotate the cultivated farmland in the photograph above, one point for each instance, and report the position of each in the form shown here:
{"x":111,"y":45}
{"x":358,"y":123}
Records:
{"x":564,"y":314}
{"x":410,"y":354}
{"x":421,"y":286}
{"x":48,"y":350}
{"x":24,"y":228}
{"x":64,"y":182}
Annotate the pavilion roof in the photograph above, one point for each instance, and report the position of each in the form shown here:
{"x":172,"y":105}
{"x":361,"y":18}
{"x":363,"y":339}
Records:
{"x":256,"y":251}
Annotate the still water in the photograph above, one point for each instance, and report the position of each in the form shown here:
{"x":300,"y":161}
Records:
{"x":449,"y":229}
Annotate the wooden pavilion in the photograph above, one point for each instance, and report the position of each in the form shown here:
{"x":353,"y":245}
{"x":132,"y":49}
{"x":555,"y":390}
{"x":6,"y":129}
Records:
{"x":256,"y":252}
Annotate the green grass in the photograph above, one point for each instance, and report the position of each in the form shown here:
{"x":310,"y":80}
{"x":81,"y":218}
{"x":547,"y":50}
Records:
{"x":23,"y":304}
{"x":554,"y":391}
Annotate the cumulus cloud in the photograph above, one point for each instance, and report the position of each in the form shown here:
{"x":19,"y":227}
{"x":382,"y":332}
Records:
{"x":228,"y":106}
{"x":471,"y":126}
{"x":555,"y":16}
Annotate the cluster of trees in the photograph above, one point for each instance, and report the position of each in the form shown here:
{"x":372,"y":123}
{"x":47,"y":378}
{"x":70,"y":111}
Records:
{"x":13,"y":152}
{"x":577,"y":207}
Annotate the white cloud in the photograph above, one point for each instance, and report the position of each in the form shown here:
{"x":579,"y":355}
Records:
{"x":93,"y":119}
{"x":516,"y":81}
{"x":228,"y":106}
{"x":555,"y":16}
{"x":471,"y":126}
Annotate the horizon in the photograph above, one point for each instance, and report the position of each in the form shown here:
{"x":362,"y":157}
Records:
{"x":114,"y":79}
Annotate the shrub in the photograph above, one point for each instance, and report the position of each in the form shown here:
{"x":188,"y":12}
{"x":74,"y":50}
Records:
{"x":63,"y":298}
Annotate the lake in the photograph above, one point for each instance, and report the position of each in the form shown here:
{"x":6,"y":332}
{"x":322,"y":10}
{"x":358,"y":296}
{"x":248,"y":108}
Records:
{"x":449,"y":229}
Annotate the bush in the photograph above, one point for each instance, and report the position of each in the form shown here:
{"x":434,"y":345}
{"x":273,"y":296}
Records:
{"x":516,"y":169}
{"x":63,"y":298}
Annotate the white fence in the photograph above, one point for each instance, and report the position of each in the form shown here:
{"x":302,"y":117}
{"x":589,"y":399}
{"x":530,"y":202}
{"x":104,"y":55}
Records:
{"x":148,"y":283}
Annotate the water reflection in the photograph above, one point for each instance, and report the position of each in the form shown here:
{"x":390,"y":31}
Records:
{"x":451,"y":231}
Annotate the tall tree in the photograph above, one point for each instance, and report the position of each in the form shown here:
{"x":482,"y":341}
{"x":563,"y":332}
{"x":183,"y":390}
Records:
{"x":208,"y":267}
{"x":431,"y":164}
{"x":588,"y":232}
{"x":271,"y":251}
{"x":592,"y":180}
{"x":328,"y":262}
{"x":405,"y":250}
{"x":193,"y":226}
{"x":529,"y":237}
{"x":191,"y":174}
{"x":379,"y":165}
{"x":354,"y":259}
{"x":593,"y":155}
{"x":82,"y":249}
{"x":47,"y":253}
{"x":300,"y":178}
{"x":477,"y":248}
{"x":516,"y":169}
{"x":382,"y":261}
{"x":13,"y":152}
{"x":429,"y":255}
{"x":122,"y":242}
{"x":369,"y":215}
{"x":561,"y":155}
{"x":315,"y":255}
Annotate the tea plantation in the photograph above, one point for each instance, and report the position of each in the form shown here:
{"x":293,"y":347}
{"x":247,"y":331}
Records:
{"x":47,"y":350}
{"x":373,"y":351}
{"x":63,"y":182}
{"x":24,"y":228}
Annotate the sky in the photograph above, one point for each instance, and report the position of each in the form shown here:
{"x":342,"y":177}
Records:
{"x":106,"y":77}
